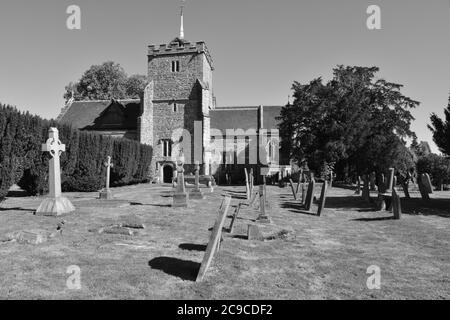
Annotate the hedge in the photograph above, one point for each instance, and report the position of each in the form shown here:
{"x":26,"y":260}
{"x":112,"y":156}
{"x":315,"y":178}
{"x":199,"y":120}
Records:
{"x":22,"y":162}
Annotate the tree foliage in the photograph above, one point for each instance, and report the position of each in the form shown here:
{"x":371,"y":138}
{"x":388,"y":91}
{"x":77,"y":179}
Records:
{"x":22,"y":162}
{"x":356,"y":121}
{"x":441,"y":130}
{"x":106,"y":81}
{"x":436,"y":166}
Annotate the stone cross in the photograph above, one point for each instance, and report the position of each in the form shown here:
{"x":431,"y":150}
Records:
{"x":55,"y":148}
{"x":196,"y":193}
{"x":55,"y":204}
{"x":106,"y":193}
{"x":180,"y":195}
{"x":108,"y":166}
{"x":263,"y":215}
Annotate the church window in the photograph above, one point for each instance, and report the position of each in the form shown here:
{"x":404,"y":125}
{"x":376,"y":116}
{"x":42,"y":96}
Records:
{"x":167,"y":148}
{"x":175,"y":107}
{"x":175,"y":66}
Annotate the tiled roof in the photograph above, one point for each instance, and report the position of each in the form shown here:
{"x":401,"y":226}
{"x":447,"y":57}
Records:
{"x":244,"y":117}
{"x":83,"y":114}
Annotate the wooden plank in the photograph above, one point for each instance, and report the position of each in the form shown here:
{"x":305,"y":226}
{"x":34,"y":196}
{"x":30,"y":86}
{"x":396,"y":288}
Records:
{"x":216,"y":235}
{"x":233,"y":219}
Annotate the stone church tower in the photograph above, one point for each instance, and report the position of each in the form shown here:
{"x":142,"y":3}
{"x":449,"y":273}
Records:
{"x":176,"y":106}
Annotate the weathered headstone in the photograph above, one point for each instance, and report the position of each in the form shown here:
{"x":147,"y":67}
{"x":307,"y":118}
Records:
{"x":263,"y":216}
{"x":293,"y":189}
{"x":180,"y":195}
{"x":323,"y":197}
{"x":390,"y":180}
{"x":55,"y":204}
{"x":358,"y":186}
{"x":247,"y":184}
{"x":106,"y":193}
{"x":373,"y":186}
{"x":427,"y":183}
{"x":196,"y":193}
{"x":310,"y":195}
{"x":424,"y":190}
{"x":396,"y":205}
{"x":214,"y":241}
{"x":366,"y":188}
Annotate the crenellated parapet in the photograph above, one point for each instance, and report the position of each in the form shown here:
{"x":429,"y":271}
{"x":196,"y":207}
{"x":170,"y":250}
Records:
{"x":179,"y":46}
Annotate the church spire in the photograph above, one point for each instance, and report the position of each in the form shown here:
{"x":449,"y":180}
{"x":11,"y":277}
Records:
{"x":182,"y":20}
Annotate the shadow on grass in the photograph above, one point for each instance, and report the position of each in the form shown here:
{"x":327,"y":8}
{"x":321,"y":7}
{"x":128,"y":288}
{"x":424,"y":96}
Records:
{"x":297,"y":208}
{"x":192,"y":247}
{"x":186,"y":270}
{"x":17,"y":209}
{"x":374,"y":219}
{"x":433,"y":207}
{"x":17,"y":194}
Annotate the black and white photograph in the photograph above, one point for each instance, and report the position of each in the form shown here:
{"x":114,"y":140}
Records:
{"x":242,"y":152}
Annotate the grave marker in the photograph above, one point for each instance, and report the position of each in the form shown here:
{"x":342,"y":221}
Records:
{"x":263,"y":217}
{"x":106,"y":193}
{"x":196,"y":193}
{"x":390,"y":180}
{"x":310,"y":195}
{"x":293,"y":189}
{"x":366,"y":189}
{"x":396,"y":205}
{"x":323,"y":197}
{"x":358,"y":186}
{"x":373,"y":186}
{"x":247,"y":184}
{"x":55,"y":204}
{"x":214,"y":241}
{"x":422,"y":188}
{"x":180,"y":195}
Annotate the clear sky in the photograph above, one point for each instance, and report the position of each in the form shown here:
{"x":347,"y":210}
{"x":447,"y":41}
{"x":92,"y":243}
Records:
{"x":259,"y":47}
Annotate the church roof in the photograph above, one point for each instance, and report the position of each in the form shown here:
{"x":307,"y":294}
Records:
{"x":242,"y":117}
{"x":88,"y":114}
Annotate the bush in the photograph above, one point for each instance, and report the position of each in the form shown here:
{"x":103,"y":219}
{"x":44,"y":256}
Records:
{"x":82,"y":165}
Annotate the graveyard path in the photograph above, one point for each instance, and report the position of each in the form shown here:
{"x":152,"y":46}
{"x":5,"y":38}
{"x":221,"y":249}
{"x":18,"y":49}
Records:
{"x":303,"y":256}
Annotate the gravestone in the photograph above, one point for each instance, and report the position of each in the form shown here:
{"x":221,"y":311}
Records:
{"x":106,"y":193}
{"x":310,"y":195}
{"x":424,"y":190}
{"x":396,"y":205}
{"x":252,"y":181}
{"x":180,"y":195}
{"x":55,"y":204}
{"x":366,"y":188}
{"x":293,"y":189}
{"x":215,"y":238}
{"x":427,"y":183}
{"x":390,"y":180}
{"x":323,"y":197}
{"x":253,"y":233}
{"x":247,"y":184}
{"x":358,"y":186}
{"x":373,"y":186}
{"x":196,"y":193}
{"x":263,"y":216}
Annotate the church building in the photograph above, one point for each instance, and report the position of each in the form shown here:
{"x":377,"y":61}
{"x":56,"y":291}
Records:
{"x":178,"y":115}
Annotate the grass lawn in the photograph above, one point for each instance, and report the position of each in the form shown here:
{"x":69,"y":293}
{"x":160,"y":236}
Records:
{"x":317,"y":258}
